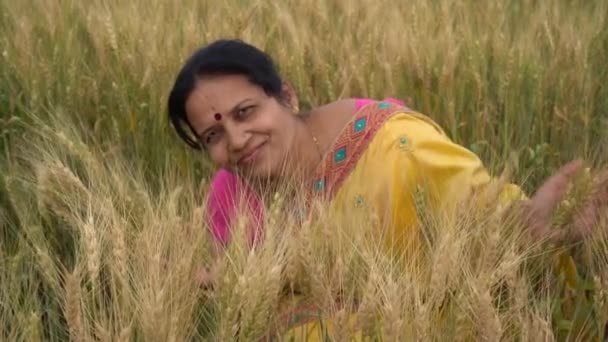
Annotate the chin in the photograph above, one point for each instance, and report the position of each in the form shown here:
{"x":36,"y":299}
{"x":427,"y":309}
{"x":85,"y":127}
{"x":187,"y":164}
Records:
{"x":264,"y":173}
{"x":255,"y":173}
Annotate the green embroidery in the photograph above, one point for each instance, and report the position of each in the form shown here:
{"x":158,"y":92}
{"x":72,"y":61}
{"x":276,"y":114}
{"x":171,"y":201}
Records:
{"x":320,"y":185}
{"x":340,"y":155}
{"x":404,"y":143}
{"x":360,"y":125}
{"x":359,"y":201}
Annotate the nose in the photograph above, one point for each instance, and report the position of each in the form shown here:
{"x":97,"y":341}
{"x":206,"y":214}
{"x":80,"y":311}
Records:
{"x":237,"y":138}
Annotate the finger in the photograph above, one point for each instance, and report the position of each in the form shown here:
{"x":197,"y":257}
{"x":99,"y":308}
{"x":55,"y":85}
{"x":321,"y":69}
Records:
{"x":537,"y":225}
{"x":560,"y":179}
{"x":552,"y":191}
{"x":603,"y":181}
{"x":204,"y":280}
{"x":588,"y":217}
{"x":559,"y":236}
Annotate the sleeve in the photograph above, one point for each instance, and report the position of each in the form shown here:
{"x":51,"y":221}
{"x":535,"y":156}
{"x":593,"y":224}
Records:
{"x":430,"y":170}
{"x":229,"y":197}
{"x":451,"y":174}
{"x":221,"y":205}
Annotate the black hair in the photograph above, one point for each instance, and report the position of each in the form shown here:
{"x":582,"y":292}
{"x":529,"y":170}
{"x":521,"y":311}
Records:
{"x":222,"y":57}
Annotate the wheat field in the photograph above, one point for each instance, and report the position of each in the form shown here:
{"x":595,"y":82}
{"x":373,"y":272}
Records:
{"x":102,"y":219}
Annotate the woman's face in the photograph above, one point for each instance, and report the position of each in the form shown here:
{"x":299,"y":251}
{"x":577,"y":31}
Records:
{"x":240,"y":125}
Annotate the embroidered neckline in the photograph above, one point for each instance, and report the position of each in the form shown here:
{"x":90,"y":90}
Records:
{"x":350,"y":144}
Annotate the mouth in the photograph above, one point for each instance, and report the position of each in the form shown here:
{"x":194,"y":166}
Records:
{"x":251,"y":156}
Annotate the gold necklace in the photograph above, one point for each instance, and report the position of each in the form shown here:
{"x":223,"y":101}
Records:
{"x":316,"y":141}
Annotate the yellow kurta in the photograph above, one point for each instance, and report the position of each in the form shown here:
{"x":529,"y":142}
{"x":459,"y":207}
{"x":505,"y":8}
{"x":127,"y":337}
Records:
{"x":408,"y":155}
{"x":408,"y":152}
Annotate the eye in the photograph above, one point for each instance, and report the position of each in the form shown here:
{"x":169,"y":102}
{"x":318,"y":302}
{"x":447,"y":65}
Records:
{"x":245,"y":112}
{"x":211,"y":137}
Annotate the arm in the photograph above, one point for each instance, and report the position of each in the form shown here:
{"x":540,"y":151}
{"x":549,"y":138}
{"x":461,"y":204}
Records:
{"x":221,"y":205}
{"x":229,"y":197}
{"x":448,"y":174}
{"x":452,"y":174}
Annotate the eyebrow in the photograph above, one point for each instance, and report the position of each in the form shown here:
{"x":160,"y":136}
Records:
{"x":232,"y":111}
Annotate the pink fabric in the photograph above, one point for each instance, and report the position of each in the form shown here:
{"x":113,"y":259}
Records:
{"x":228,"y":193}
{"x":362,"y":102}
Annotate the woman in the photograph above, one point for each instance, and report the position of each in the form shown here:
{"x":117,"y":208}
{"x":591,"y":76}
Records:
{"x":230,"y":101}
{"x":227,"y":191}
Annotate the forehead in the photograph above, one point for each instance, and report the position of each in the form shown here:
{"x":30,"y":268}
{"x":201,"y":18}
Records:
{"x":220,"y":94}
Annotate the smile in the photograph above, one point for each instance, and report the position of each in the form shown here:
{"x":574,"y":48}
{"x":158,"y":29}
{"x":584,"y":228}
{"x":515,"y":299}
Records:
{"x":251,"y":156}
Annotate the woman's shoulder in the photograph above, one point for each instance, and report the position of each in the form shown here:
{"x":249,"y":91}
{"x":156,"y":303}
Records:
{"x":350,"y":106}
{"x":341,"y":111}
{"x":415,"y":123}
{"x":343,"y":106}
{"x":335,"y":115}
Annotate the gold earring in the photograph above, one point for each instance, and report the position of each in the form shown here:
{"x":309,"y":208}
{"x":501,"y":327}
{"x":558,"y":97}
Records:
{"x":296,"y":110}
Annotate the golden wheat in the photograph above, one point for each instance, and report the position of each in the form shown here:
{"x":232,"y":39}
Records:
{"x":73,"y":311}
{"x":93,"y":179}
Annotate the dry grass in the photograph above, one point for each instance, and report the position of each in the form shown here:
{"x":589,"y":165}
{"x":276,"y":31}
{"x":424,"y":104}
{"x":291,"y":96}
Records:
{"x":102,"y":230}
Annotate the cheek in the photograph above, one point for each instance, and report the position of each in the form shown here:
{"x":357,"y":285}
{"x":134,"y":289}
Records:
{"x":279,"y":124}
{"x":282,"y":137}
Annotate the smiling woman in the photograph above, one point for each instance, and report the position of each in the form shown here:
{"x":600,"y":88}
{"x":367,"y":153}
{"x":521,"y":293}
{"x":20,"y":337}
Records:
{"x":230,"y":101}
{"x":333,"y":150}
{"x":229,"y":195}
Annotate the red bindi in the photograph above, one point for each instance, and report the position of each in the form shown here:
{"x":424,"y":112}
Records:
{"x":218,"y":116}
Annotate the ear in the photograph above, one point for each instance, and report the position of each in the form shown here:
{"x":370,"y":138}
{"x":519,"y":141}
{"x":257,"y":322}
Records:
{"x":290,"y":96}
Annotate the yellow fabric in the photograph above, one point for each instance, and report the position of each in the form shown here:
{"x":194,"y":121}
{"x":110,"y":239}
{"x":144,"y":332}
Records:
{"x":319,"y":330}
{"x":409,"y":152}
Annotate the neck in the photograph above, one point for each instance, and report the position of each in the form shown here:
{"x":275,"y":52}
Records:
{"x":306,"y":151}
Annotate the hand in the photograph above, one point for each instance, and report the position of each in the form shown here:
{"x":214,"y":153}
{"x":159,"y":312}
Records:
{"x":540,"y":208}
{"x":207,"y":277}
{"x":591,"y":215}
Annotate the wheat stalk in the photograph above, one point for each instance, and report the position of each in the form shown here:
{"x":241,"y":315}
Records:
{"x":489,"y":327}
{"x":72,"y":307}
{"x":93,"y":250}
